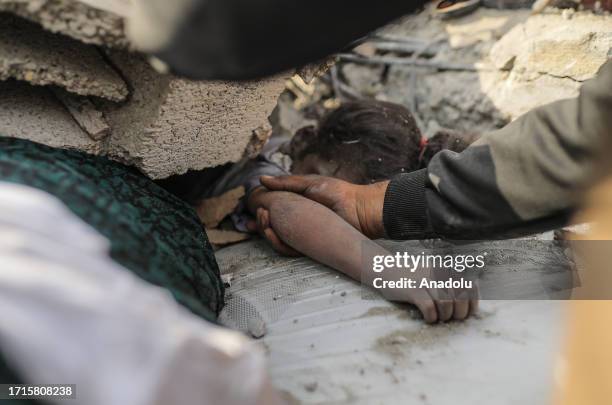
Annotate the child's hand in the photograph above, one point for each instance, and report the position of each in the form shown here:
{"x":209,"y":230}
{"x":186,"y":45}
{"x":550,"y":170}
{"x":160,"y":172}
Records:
{"x":286,"y":219}
{"x":260,"y":202}
{"x":261,"y":225}
{"x":361,"y":206}
{"x":438,"y":305}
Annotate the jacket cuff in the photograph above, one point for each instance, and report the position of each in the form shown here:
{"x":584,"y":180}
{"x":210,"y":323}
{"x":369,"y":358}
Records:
{"x":404,"y":210}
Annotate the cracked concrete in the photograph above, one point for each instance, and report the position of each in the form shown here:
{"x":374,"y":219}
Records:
{"x":111,"y":102}
{"x":32,"y":54}
{"x":547,"y":58}
{"x":91,"y":25}
{"x":34,"y":113}
{"x":172,"y":125}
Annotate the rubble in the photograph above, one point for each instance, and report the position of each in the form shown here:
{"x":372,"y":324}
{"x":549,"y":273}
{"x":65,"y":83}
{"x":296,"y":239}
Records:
{"x":29,"y":53}
{"x":111,"y":101}
{"x":479,"y":71}
{"x":85,"y":114}
{"x":101,"y":24}
{"x":547,"y":58}
{"x":34,"y":113}
{"x":172,"y":125}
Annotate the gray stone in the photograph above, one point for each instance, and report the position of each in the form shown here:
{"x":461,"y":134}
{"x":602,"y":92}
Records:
{"x":34,"y":113}
{"x":547,"y":58}
{"x":100,"y":25}
{"x":30,"y":53}
{"x":172,"y":125}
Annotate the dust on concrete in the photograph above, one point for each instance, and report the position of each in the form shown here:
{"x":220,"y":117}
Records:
{"x":400,"y":313}
{"x":161,"y":124}
{"x":399,"y":343}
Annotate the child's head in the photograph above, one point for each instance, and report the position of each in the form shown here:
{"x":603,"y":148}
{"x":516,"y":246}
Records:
{"x":361,"y":142}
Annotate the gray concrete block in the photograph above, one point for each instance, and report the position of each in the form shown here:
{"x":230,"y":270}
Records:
{"x":172,"y":125}
{"x":101,"y":25}
{"x":30,"y":53}
{"x":34,"y":113}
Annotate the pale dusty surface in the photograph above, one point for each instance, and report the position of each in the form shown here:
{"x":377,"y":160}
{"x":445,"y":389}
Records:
{"x":327,"y":344}
{"x":76,"y":19}
{"x":30,"y":53}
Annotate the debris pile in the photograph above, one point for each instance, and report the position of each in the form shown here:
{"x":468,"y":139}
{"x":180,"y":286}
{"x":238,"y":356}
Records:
{"x":547,"y":58}
{"x":472,"y":73}
{"x":69,"y":78}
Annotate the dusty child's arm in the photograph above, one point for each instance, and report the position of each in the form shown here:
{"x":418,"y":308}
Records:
{"x":312,"y":229}
{"x":318,"y":232}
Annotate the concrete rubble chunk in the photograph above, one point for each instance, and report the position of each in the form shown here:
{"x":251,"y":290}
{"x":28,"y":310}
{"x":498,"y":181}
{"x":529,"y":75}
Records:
{"x":546,"y":58}
{"x":85,"y":113}
{"x":29,"y":53}
{"x":172,"y":125}
{"x":100,"y":25}
{"x":549,"y":44}
{"x":34,"y":113}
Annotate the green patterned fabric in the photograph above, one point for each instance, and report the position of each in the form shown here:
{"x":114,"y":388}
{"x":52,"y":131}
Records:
{"x":153,"y":234}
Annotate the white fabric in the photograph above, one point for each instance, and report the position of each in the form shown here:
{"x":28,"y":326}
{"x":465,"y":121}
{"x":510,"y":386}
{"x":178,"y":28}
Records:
{"x":70,"y":315}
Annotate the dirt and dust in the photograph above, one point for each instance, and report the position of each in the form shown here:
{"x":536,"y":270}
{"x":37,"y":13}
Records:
{"x":399,"y":343}
{"x":473,"y":73}
{"x":400,"y":313}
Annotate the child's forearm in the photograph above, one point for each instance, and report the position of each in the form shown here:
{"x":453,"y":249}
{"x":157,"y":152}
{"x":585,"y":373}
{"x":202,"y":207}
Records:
{"x":321,"y":234}
{"x":316,"y":231}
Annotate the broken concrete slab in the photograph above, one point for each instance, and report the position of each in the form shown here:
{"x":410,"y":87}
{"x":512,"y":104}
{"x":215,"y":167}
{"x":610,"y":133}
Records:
{"x":32,"y":54}
{"x":172,"y":125}
{"x":35,"y":114}
{"x":547,"y":58}
{"x":550,"y":44}
{"x":99,"y":25}
{"x":85,"y":113}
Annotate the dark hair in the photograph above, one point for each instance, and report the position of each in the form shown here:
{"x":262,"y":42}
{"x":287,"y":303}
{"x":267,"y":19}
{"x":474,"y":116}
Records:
{"x":376,"y":139}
